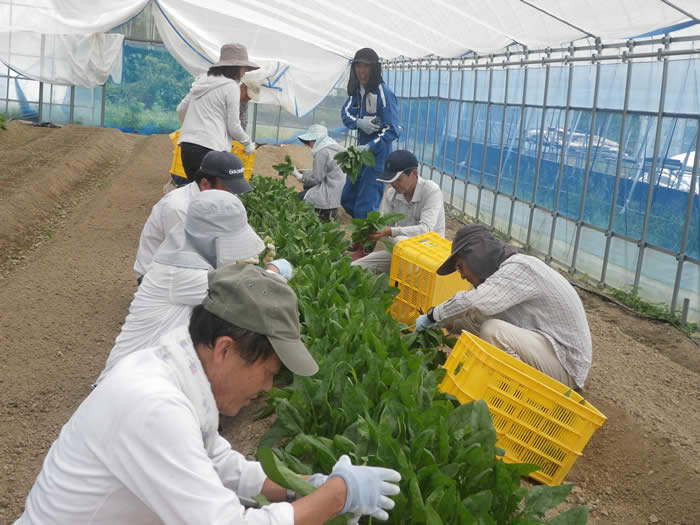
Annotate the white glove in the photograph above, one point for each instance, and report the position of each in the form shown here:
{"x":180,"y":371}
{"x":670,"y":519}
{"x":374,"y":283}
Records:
{"x":422,"y":322}
{"x":298,"y":174}
{"x":250,"y":148}
{"x":364,"y":147}
{"x":317,"y":479}
{"x":367,"y":488}
{"x":284,"y":267}
{"x":366,"y":125}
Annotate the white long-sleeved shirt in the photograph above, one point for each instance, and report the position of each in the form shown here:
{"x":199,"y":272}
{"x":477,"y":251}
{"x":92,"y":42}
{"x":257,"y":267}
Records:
{"x":163,"y":301}
{"x":170,"y":210}
{"x":210,"y":114}
{"x":133,"y":453}
{"x":525,"y":292}
{"x":425,"y":213}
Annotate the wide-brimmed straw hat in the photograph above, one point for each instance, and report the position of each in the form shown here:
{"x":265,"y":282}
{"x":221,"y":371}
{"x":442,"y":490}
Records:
{"x":235,"y":55}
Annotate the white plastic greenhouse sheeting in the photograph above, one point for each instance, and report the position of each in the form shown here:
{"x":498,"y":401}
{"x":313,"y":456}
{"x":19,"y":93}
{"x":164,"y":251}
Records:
{"x":305,"y":46}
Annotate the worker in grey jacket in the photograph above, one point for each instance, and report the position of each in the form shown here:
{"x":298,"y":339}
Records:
{"x":323,"y":183}
{"x":210,"y":113}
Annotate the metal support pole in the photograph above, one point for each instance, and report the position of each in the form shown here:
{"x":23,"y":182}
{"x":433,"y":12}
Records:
{"x":562,"y":161}
{"x":102,"y":104}
{"x":686,"y":225}
{"x":41,"y":102}
{"x":402,"y":99}
{"x":410,"y":103}
{"x":484,"y":147}
{"x":586,"y":171}
{"x":499,"y":173}
{"x":652,"y":176}
{"x":468,"y":166}
{"x":420,"y":86}
{"x":435,"y":124}
{"x":514,"y":197}
{"x":427,"y":117}
{"x":618,"y":169}
{"x":684,"y":313}
{"x":457,"y":137}
{"x":537,"y":162}
{"x":279,"y":119}
{"x":447,"y":129}
{"x":72,"y":105}
{"x":255,"y":121}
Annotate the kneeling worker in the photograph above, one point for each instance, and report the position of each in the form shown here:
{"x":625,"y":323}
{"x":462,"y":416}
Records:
{"x":143,"y":447}
{"x":518,"y":304}
{"x":419,"y":200}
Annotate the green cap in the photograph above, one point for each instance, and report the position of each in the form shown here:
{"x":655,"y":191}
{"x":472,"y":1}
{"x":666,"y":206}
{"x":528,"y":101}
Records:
{"x":260,"y":301}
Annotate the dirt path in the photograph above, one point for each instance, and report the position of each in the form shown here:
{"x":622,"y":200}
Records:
{"x":72,"y":207}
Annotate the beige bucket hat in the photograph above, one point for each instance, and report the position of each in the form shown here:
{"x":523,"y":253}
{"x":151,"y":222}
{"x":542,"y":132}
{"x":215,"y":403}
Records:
{"x":235,"y":55}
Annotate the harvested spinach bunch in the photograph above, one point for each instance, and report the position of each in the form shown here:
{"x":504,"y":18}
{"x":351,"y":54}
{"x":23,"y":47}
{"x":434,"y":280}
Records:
{"x":352,"y":160}
{"x":374,"y":222}
{"x":284,"y":169}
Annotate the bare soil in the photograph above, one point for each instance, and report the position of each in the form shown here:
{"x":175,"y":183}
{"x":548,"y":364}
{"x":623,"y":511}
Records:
{"x":72,"y":204}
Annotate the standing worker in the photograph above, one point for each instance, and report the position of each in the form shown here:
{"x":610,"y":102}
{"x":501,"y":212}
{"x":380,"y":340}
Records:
{"x":323,"y":183}
{"x":210,"y":113}
{"x":518,"y":304}
{"x":143,"y":447}
{"x":420,"y":201}
{"x":371,"y":109}
{"x":220,"y":170}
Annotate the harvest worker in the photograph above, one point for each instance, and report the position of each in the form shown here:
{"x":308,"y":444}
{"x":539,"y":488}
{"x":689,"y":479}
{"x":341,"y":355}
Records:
{"x":210,"y":112}
{"x":220,"y":170}
{"x":371,"y":109}
{"x":143,"y":447}
{"x":420,"y":201}
{"x":215,"y":233}
{"x":528,"y":309}
{"x":323,"y":184}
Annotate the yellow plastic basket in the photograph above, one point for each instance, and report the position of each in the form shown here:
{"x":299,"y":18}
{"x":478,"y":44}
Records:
{"x":414,"y":265}
{"x":538,"y":419}
{"x":237,"y":149}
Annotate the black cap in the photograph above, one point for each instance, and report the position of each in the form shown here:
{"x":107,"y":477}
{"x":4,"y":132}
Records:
{"x":226,"y":166}
{"x":396,"y":163}
{"x":366,"y":55}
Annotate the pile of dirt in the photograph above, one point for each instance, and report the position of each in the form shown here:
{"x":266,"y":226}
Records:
{"x":66,"y":291}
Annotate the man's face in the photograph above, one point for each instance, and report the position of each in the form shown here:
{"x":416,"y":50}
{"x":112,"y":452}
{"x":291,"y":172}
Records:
{"x":362,"y":72}
{"x":235,"y":383}
{"x":405,"y":182}
{"x":466,"y":273}
{"x":204,"y":185}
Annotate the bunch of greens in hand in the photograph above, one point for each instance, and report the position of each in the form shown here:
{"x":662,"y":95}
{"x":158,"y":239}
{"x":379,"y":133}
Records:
{"x":352,"y":160}
{"x":285,"y":169}
{"x":374,"y":222}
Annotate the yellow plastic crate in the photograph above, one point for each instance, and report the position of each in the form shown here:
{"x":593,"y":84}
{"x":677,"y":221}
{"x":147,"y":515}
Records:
{"x":538,"y":419}
{"x":414,"y":265}
{"x":237,"y":149}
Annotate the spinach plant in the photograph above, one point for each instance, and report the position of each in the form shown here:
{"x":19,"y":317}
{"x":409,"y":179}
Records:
{"x":374,"y":222}
{"x":284,"y":169}
{"x":352,"y":160}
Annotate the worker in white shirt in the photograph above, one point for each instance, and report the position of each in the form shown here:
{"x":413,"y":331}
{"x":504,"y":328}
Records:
{"x":210,"y":112}
{"x":518,"y":304}
{"x":143,"y":447}
{"x":420,"y":201}
{"x":215,"y":232}
{"x":324,"y":182}
{"x":220,"y":170}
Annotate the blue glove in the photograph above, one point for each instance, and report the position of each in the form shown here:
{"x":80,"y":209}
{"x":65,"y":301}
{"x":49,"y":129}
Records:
{"x":284,"y":267}
{"x":364,"y":147}
{"x":367,"y":488}
{"x":422,"y":322}
{"x":366,"y":125}
{"x":317,"y":479}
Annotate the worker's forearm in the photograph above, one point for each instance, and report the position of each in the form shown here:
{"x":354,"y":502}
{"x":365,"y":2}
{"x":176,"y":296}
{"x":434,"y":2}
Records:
{"x":322,"y":504}
{"x":273,"y":492}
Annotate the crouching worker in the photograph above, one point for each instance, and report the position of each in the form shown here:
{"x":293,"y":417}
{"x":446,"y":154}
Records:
{"x":324,"y":183}
{"x":419,"y":200}
{"x":518,"y":304}
{"x":143,"y":447}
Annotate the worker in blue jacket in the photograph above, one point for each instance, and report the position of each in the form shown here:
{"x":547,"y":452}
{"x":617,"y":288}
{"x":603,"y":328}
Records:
{"x":372,"y":110}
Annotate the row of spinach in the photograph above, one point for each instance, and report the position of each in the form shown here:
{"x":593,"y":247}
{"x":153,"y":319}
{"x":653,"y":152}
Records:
{"x":375,"y":396}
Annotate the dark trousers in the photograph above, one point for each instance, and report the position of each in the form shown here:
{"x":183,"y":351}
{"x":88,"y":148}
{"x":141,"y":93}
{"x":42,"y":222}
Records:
{"x":323,"y":215}
{"x":192,"y":155}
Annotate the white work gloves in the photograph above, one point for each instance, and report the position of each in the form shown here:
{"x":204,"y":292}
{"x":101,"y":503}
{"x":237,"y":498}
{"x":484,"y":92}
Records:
{"x":284,"y":267}
{"x":422,"y":322}
{"x":366,"y":125}
{"x":298,"y":174}
{"x":317,"y":479}
{"x":250,"y":148}
{"x":367,"y":488}
{"x":364,"y":147}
